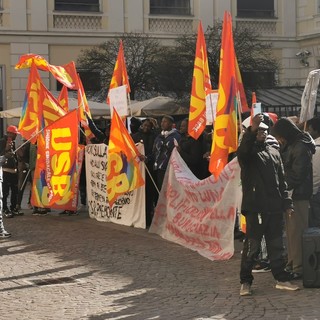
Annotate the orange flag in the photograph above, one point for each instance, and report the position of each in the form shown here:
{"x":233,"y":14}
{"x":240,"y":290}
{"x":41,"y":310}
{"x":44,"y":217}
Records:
{"x":200,"y":86}
{"x":65,"y":74}
{"x":31,"y":116}
{"x":84,"y":111}
{"x":120,"y":75}
{"x":225,"y":136}
{"x":55,"y":177}
{"x":63,"y":99}
{"x":123,"y":172}
{"x":243,"y":99}
{"x":40,"y":107}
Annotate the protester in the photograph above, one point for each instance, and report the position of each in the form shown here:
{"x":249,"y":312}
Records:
{"x":265,"y":198}
{"x":163,"y":146}
{"x":3,"y":233}
{"x":135,"y":124}
{"x":190,"y":150}
{"x":206,"y":141}
{"x":146,"y":135}
{"x":23,"y":170}
{"x":313,"y":127}
{"x":10,"y":172}
{"x":297,"y":148}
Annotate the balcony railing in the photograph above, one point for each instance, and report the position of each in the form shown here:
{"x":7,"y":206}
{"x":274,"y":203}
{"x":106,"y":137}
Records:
{"x":263,"y":27}
{"x":167,"y":25}
{"x":76,"y":22}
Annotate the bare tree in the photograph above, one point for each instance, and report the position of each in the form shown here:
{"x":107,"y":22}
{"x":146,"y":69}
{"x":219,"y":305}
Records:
{"x":141,"y":54}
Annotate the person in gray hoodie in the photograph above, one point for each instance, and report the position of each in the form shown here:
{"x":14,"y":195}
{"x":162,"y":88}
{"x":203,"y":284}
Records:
{"x":297,"y":148}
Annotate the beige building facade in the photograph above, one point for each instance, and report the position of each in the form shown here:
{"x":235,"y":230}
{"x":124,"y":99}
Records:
{"x":59,"y":30}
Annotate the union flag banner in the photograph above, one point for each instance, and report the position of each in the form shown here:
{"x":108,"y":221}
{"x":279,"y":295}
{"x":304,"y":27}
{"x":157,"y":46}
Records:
{"x":31,"y":119}
{"x":26,"y":61}
{"x":51,"y":110}
{"x":83,"y":104}
{"x":39,"y":110}
{"x":55,"y":182}
{"x":63,"y":99}
{"x":120,"y":75}
{"x":65,"y":74}
{"x":225,"y":136}
{"x":201,"y":85}
{"x":84,"y":111}
{"x":243,"y":99}
{"x":123,"y":172}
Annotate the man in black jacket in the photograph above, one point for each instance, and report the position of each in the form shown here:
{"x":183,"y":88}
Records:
{"x":265,"y":198}
{"x":10,"y":171}
{"x":297,"y":148}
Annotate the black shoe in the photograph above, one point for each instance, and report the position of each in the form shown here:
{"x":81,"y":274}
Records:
{"x":17,"y":212}
{"x":64,"y":212}
{"x":72,"y":213}
{"x":42,"y":212}
{"x":296,"y":276}
{"x":4,"y":234}
{"x":7,"y":213}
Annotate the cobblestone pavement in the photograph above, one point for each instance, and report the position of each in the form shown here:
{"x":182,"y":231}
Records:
{"x":125,"y":273}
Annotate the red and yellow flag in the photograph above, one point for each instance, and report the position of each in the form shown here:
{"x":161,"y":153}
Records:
{"x":201,"y":85}
{"x":55,"y":177}
{"x":84,"y":111}
{"x":40,"y":107}
{"x":65,"y":74}
{"x":243,"y":99}
{"x":31,"y":116}
{"x":63,"y":99}
{"x":123,"y":172}
{"x":225,"y":137}
{"x":120,"y":75}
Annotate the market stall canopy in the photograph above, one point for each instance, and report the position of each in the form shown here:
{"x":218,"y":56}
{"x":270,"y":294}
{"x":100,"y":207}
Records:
{"x":157,"y":107}
{"x":98,"y":110}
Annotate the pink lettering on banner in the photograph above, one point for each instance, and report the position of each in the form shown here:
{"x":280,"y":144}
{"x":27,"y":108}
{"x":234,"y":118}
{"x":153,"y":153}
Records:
{"x":199,"y":214}
{"x":211,"y":195}
{"x":175,"y":165}
{"x":171,"y":193}
{"x":226,"y":214}
{"x":196,"y":242}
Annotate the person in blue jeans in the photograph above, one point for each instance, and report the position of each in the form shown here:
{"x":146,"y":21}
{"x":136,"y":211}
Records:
{"x":265,"y":198}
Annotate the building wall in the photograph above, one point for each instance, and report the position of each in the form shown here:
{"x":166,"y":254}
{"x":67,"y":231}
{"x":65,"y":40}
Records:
{"x":34,"y":26}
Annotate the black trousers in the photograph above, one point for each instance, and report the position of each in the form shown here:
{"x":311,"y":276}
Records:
{"x":10,"y":183}
{"x":271,"y":226}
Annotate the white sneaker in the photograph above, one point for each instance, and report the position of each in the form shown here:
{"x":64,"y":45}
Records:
{"x":245,"y":289}
{"x":286,"y":285}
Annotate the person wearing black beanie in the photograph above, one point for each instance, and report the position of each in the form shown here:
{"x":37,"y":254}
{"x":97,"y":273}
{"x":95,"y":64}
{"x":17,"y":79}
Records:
{"x":297,"y":148}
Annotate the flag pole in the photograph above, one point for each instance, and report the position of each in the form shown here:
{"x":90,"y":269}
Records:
{"x":154,"y":183}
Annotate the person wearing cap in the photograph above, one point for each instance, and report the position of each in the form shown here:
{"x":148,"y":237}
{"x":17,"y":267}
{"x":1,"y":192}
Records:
{"x":10,"y":171}
{"x":265,"y":198}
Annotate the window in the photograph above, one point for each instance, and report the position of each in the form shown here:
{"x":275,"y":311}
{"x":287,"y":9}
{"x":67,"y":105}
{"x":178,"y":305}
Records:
{"x":170,"y":7}
{"x":77,"y":5}
{"x":255,"y":9}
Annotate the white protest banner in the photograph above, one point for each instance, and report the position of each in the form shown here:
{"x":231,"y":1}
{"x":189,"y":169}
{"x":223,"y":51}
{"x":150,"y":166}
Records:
{"x":129,"y":209}
{"x":199,"y":214}
{"x":211,"y":106}
{"x":118,"y":100}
